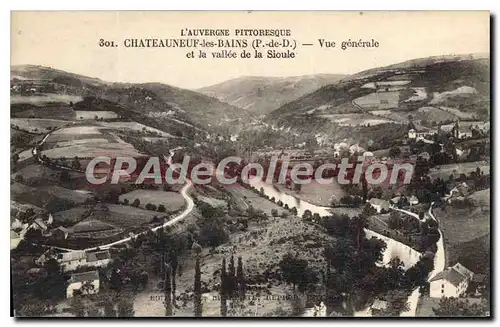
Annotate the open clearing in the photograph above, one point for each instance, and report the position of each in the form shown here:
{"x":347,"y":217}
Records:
{"x":481,"y":198}
{"x":79,"y":130}
{"x":461,"y":227}
{"x":94,"y":150}
{"x":246,"y":198}
{"x":458,"y":113}
{"x":316,"y":193}
{"x":37,"y":125}
{"x":26,"y":154}
{"x":91,"y":226}
{"x":123,"y":216}
{"x":356,"y":119}
{"x":83,"y":115}
{"x":71,"y":216}
{"x":38,"y":174}
{"x":444,"y":171}
{"x":45,"y":98}
{"x":432,"y":114}
{"x":392,"y":115}
{"x":171,"y":200}
{"x":134,"y":127}
{"x":40,"y":196}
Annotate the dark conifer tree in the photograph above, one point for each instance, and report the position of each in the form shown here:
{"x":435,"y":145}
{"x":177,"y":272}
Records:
{"x":198,"y":308}
{"x":167,"y":287}
{"x":223,"y":289}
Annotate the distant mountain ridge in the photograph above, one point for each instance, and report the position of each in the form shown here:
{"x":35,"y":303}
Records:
{"x":261,"y":95}
{"x":144,"y":98}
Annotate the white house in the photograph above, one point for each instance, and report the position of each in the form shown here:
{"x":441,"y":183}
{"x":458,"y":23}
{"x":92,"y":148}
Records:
{"x":451,"y":282}
{"x":86,"y":283}
{"x":379,"y":204}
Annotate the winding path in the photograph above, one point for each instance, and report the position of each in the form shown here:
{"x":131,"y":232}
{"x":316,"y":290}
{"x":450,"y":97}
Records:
{"x":176,"y":219}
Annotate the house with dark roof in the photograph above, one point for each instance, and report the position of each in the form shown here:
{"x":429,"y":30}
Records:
{"x":451,"y":282}
{"x":70,"y":261}
{"x":84,"y":283}
{"x":98,"y":259}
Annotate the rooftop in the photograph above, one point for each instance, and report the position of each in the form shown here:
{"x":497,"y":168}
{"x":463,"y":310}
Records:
{"x":95,"y":256}
{"x":85,"y":276}
{"x":379,"y":305}
{"x":455,"y":275}
{"x":71,"y":256}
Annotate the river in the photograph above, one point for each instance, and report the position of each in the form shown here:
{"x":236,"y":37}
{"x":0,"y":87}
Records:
{"x":406,"y":254}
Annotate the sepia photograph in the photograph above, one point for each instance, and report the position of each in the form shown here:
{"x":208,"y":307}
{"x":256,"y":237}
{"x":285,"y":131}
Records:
{"x":318,"y":164}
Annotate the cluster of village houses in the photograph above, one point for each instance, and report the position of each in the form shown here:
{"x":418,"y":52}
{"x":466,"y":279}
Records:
{"x":85,"y":282}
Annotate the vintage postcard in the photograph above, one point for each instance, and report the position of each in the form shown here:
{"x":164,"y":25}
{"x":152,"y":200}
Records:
{"x":250,"y":164}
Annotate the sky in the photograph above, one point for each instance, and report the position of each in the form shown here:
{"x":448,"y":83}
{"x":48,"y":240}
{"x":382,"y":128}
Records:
{"x":70,"y":41}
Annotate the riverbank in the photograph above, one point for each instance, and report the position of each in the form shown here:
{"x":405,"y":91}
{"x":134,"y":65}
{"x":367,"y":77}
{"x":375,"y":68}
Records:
{"x":316,"y":193}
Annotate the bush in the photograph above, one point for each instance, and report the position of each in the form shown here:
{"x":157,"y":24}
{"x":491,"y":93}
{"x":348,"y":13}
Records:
{"x":161,"y":208}
{"x":274,"y":213}
{"x":136,"y":203}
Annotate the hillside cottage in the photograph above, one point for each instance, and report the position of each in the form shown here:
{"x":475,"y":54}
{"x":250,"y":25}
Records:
{"x":451,"y":282}
{"x":84,"y":283}
{"x":70,"y":261}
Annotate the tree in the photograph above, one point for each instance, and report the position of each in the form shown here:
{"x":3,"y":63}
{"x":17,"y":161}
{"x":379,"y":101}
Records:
{"x":241,"y":279}
{"x":75,"y":164}
{"x":125,"y":306}
{"x":167,"y":288}
{"x":395,"y":152}
{"x":136,"y":203}
{"x":398,"y":303}
{"x":453,"y":307}
{"x":19,"y":178}
{"x":223,"y":289}
{"x":198,"y":306}
{"x":307,"y":215}
{"x":161,"y":208}
{"x":292,"y":269}
{"x":274,"y":212}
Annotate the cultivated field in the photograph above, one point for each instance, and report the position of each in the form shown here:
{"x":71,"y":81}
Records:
{"x":45,"y":98}
{"x":87,"y":142}
{"x":71,"y":216}
{"x":444,"y":171}
{"x":78,"y":130}
{"x":356,"y":119}
{"x":83,"y":115}
{"x":458,"y":113}
{"x":392,"y":115}
{"x":94,"y":150}
{"x":134,"y":127}
{"x":41,"y":196}
{"x":91,"y":226}
{"x":318,"y":194}
{"x":123,"y":216}
{"x":461,"y":229}
{"x":481,"y":198}
{"x":38,"y":174}
{"x":432,"y":114}
{"x":171,"y":200}
{"x":36,"y":125}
